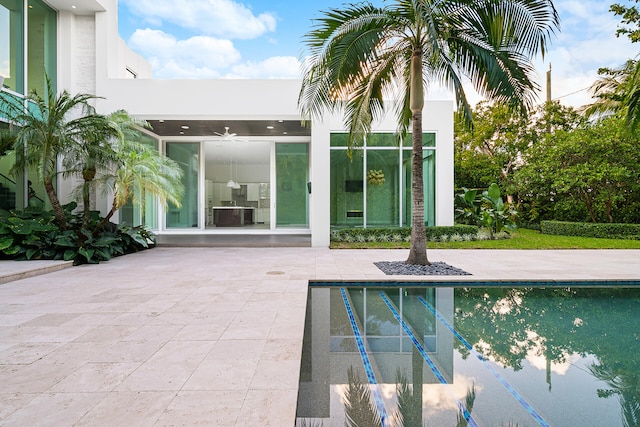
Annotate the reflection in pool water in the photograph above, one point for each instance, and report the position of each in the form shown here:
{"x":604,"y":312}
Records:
{"x":458,"y":356}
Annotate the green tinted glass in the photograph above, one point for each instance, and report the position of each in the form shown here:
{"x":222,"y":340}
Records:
{"x":382,"y":188}
{"x":347,"y":189}
{"x":292,"y":177}
{"x":11,"y":44}
{"x":428,"y":140}
{"x":41,"y":38}
{"x":187,"y":155}
{"x":429,"y":182}
{"x":137,"y":214}
{"x":382,"y":140}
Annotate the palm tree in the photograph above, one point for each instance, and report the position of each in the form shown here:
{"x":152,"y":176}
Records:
{"x":48,"y":128}
{"x":632,"y":99}
{"x":87,"y":158}
{"x":363,"y":54}
{"x":139,"y":170}
{"x":617,"y":91}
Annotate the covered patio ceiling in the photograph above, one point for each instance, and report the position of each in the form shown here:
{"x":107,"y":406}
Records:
{"x":242,"y":128}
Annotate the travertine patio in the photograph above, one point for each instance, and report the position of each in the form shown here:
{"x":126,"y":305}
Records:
{"x":200,"y":336}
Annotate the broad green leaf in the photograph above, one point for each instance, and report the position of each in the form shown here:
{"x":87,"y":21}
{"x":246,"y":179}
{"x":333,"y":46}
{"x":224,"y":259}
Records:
{"x":494,"y":191}
{"x":5,"y":242}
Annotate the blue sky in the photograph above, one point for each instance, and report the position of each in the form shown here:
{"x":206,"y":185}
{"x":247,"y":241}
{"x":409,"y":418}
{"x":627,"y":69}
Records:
{"x":263,"y":39}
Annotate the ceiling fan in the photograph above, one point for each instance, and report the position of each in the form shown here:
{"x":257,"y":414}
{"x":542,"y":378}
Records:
{"x":229,"y":136}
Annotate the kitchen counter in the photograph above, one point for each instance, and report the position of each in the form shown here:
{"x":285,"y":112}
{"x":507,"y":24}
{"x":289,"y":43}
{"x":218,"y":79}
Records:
{"x":232,"y":216}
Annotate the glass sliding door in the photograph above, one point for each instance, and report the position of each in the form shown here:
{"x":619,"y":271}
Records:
{"x":145,"y":210}
{"x":237,"y":184}
{"x":292,"y":176}
{"x":187,"y":155}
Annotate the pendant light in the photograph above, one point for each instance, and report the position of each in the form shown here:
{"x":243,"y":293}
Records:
{"x":230,"y":183}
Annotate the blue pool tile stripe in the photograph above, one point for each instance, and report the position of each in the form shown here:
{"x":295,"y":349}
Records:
{"x":382,"y":411}
{"x":487,"y":365}
{"x":425,"y":356}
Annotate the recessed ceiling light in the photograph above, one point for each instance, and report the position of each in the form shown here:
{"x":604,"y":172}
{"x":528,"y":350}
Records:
{"x":73,"y":7}
{"x":269,"y":127}
{"x":284,"y":133}
{"x":280,"y":121}
{"x":184,"y":127}
{"x":160,"y":121}
{"x":181,"y":133}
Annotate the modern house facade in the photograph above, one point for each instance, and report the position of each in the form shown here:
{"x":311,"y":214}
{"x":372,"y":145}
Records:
{"x":250,"y":165}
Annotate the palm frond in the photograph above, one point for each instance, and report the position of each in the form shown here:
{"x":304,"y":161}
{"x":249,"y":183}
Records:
{"x":358,"y":406}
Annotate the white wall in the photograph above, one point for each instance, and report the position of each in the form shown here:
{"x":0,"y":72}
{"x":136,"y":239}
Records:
{"x":200,"y":99}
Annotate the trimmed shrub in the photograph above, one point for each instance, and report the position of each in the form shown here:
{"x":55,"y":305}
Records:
{"x":398,"y":233}
{"x":590,"y":229}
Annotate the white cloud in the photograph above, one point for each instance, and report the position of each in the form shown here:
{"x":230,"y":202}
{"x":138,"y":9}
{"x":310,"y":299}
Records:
{"x":203,"y":57}
{"x":221,"y":18}
{"x":277,"y":67}
{"x":586,"y":42}
{"x":196,"y":57}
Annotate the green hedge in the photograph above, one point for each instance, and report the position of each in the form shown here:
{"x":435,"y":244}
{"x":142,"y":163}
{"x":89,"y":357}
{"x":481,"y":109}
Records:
{"x":590,"y":229}
{"x":397,"y":233}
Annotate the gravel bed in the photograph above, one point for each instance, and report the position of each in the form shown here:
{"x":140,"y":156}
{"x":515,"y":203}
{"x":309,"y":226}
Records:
{"x":435,"y":269}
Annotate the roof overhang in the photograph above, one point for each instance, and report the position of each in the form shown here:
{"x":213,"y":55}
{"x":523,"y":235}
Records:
{"x":77,"y":7}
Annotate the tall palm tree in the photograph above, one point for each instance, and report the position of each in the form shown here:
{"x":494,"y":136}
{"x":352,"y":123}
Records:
{"x":139,"y":170}
{"x":46,"y":130}
{"x":363,"y":54}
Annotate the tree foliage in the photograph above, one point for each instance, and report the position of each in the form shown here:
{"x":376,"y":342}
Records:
{"x":630,"y":24}
{"x":50,"y":127}
{"x":63,"y":134}
{"x":595,"y":165}
{"x":361,"y":56}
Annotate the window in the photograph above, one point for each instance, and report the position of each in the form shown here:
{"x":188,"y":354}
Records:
{"x":372,"y":188}
{"x":12,"y":44}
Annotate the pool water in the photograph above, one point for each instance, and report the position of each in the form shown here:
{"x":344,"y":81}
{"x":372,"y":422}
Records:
{"x":407,"y":355}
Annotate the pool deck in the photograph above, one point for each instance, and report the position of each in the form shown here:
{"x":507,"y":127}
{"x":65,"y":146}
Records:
{"x":200,"y":336}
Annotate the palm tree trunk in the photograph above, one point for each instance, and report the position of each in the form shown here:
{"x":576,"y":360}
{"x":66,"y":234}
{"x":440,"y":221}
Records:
{"x":106,"y":219}
{"x":418,"y":247}
{"x":61,"y":219}
{"x":88,"y":175}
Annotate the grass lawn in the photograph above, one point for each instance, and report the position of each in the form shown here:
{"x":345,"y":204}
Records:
{"x":522,"y":239}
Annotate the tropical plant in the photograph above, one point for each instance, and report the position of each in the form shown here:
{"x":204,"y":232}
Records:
{"x":468,"y":205}
{"x":486,"y":209}
{"x":362,"y":55}
{"x":139,"y":170}
{"x":495,"y":214}
{"x":48,"y":128}
{"x":618,"y":89}
{"x":32,"y":234}
{"x":86,"y":158}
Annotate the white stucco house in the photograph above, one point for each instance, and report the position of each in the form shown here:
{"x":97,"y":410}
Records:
{"x":250,"y":166}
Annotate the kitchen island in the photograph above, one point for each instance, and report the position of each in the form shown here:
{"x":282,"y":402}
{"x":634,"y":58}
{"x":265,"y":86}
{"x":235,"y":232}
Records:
{"x":232,"y":216}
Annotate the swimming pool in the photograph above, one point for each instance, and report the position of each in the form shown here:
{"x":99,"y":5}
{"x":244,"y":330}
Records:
{"x":481,"y":354}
